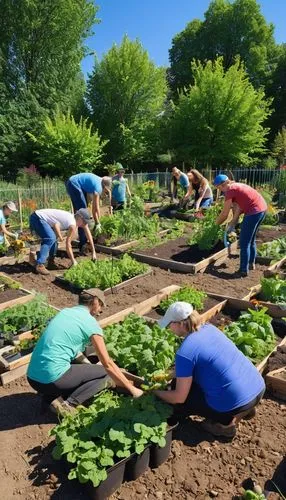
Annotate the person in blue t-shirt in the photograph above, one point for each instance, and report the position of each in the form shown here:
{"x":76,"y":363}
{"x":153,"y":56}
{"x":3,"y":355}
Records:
{"x":182,"y":179}
{"x":5,"y":212}
{"x":79,"y":186}
{"x":213,"y":378}
{"x":119,"y":189}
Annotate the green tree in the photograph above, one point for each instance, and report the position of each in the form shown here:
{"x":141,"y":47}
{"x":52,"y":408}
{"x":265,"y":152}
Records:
{"x":228,"y":30}
{"x":65,"y":147}
{"x":279,"y":146}
{"x":219,"y":119}
{"x":126,"y":92}
{"x":277,"y":89}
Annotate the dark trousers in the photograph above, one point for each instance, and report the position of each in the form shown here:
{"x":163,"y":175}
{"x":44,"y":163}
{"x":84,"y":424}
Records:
{"x":249,"y":228}
{"x":196,"y":404}
{"x":79,"y":200}
{"x":77,"y":385}
{"x":48,"y":238}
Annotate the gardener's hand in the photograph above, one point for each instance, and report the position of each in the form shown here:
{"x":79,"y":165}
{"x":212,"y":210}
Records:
{"x":136,"y":393}
{"x":74,"y":264}
{"x":14,"y":236}
{"x":98,"y":227}
{"x":231,"y":229}
{"x":93,"y":258}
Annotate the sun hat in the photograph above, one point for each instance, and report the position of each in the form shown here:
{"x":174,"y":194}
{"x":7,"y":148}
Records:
{"x":119,"y":167}
{"x":97,"y":293}
{"x":178,"y":311}
{"x":219,"y":179}
{"x":84,"y":214}
{"x":11,"y":205}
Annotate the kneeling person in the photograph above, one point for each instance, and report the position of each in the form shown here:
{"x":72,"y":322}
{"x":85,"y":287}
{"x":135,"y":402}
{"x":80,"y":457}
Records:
{"x":213,"y":378}
{"x":51,"y":372}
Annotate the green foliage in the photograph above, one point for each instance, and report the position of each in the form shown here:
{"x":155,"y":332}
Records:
{"x":219,"y":118}
{"x":126,"y":92}
{"x":274,"y":249}
{"x":187,"y":294}
{"x":253,"y":334}
{"x":139,"y":347}
{"x":279,"y":146}
{"x":104,"y":273}
{"x":276,"y":88}
{"x":229,"y":29}
{"x":111,"y":428}
{"x":273,"y":290}
{"x":147,"y":191}
{"x":9,"y":282}
{"x":65,"y":147}
{"x":34,"y":314}
{"x":206,"y":233}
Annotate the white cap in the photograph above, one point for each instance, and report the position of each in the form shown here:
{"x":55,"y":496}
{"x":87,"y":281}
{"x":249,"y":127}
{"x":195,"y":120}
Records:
{"x":11,"y":205}
{"x":178,"y":311}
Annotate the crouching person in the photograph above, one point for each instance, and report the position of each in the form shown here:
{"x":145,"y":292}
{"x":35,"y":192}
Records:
{"x":51,"y":371}
{"x":213,"y":378}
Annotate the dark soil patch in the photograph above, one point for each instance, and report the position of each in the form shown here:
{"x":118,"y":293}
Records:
{"x":10,"y":294}
{"x":274,"y":233}
{"x":277,"y":359}
{"x":179,"y":251}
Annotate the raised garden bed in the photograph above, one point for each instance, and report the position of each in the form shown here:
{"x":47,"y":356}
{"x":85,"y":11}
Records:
{"x":278,"y":268}
{"x":276,"y":383}
{"x":177,"y":255}
{"x":272,"y":251}
{"x":277,"y":310}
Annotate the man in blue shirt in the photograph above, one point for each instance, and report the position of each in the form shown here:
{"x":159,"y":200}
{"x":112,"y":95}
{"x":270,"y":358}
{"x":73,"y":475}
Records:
{"x":213,"y":378}
{"x":119,"y":189}
{"x":79,"y":186}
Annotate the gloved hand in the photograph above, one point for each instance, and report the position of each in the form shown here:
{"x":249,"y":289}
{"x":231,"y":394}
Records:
{"x":98,"y":227}
{"x":231,"y":229}
{"x":15,"y":236}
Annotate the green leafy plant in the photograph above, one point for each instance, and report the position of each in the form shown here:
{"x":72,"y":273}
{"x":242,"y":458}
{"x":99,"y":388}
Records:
{"x":141,"y":348}
{"x":186,"y":294}
{"x":9,"y":282}
{"x":110,"y":429}
{"x":275,"y":249}
{"x":34,"y":314}
{"x":273,"y":290}
{"x":206,"y":233}
{"x":104,"y":273}
{"x":252,"y":333}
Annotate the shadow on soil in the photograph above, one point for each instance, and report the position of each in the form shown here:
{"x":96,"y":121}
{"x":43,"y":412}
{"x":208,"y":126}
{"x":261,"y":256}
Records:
{"x":19,"y":410}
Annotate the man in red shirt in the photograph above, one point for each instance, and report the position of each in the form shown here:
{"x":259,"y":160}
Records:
{"x":250,"y":203}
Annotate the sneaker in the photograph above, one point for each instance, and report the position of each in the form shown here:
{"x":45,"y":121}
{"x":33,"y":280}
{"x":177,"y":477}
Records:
{"x":32,"y":258}
{"x":218,"y":429}
{"x":243,"y":274}
{"x":252,"y":267}
{"x":40,"y":269}
{"x":61,"y":407}
{"x":52,"y":266}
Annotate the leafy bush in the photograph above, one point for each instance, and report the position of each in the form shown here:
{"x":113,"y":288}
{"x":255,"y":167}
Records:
{"x":186,"y":294}
{"x":65,"y":147}
{"x":273,"y":290}
{"x":112,"y":428}
{"x":253,"y":334}
{"x":104,"y":273}
{"x":142,"y":348}
{"x":275,"y":249}
{"x":206,"y":233}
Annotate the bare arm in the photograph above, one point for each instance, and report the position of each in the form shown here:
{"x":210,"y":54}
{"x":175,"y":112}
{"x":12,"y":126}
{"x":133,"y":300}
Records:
{"x":203,"y":190}
{"x":224,"y":213}
{"x":95,"y":207}
{"x":90,"y":241}
{"x":5,"y":231}
{"x":236,"y":213}
{"x":70,"y":236}
{"x":111,"y":368}
{"x":178,"y":395}
{"x":57,"y":229}
{"x":189,"y":192}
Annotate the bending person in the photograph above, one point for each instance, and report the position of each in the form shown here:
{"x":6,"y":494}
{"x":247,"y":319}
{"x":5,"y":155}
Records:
{"x":48,"y":224}
{"x":79,"y":186}
{"x":213,"y":378}
{"x":182,"y":179}
{"x":249,"y":202}
{"x":119,"y":189}
{"x":5,"y":212}
{"x":200,"y":186}
{"x":51,"y":372}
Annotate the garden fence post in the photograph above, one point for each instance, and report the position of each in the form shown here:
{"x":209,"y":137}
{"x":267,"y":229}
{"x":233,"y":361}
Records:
{"x":20,"y":209}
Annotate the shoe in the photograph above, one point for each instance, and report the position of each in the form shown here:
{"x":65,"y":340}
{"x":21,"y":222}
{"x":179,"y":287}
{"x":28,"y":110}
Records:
{"x":61,"y":407}
{"x":52,"y":266}
{"x":32,"y":258}
{"x":252,"y":267}
{"x":40,"y":269}
{"x":219,"y":430}
{"x":243,"y":274}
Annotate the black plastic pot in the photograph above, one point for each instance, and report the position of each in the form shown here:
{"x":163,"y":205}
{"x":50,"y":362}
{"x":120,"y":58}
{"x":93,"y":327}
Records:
{"x":137,"y":465}
{"x":113,"y":481}
{"x":159,"y":455}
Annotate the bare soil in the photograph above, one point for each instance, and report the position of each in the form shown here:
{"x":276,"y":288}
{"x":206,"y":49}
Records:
{"x":277,"y":359}
{"x":10,"y":294}
{"x":199,"y":467}
{"x":270,"y":234}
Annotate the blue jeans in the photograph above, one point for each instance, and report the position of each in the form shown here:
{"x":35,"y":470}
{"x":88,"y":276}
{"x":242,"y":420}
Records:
{"x":249,"y":228}
{"x":206,"y":202}
{"x":79,"y":200}
{"x":49,"y":241}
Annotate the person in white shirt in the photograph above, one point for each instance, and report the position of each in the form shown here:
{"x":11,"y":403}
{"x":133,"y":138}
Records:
{"x":48,"y":224}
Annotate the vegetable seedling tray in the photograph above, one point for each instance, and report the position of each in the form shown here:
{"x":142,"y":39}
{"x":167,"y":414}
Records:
{"x":159,"y":455}
{"x":276,"y":382}
{"x":115,"y":476}
{"x":67,"y":284}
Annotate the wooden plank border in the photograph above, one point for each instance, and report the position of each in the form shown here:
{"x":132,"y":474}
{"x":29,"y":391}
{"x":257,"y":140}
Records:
{"x":124,"y":247}
{"x":275,"y":310}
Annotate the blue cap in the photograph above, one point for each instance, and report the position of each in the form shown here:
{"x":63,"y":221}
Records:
{"x":219,"y":179}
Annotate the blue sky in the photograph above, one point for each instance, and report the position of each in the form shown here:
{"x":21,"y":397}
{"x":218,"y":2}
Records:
{"x":155,"y":22}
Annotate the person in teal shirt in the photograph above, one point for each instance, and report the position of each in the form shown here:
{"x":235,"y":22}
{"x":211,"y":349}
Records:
{"x":51,"y":371}
{"x":183,"y":180}
{"x":119,"y":189}
{"x":5,"y":212}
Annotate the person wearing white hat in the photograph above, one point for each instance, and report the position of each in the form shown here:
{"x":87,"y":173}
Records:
{"x":48,"y":224}
{"x":6,"y":210}
{"x":213,"y":378}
